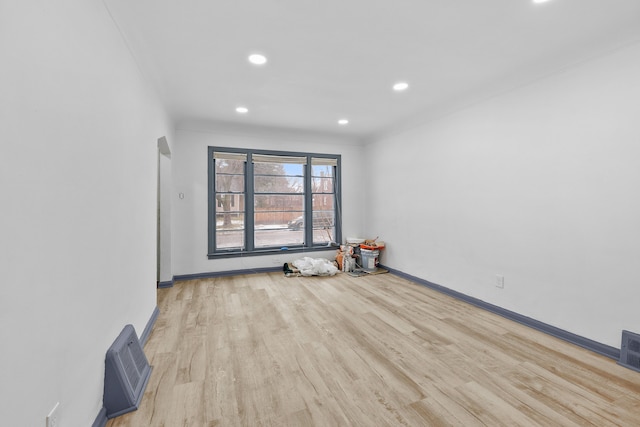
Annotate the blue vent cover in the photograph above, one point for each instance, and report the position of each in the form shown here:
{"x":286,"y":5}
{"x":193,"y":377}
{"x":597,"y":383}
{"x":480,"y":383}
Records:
{"x":630,"y":351}
{"x":126,"y":374}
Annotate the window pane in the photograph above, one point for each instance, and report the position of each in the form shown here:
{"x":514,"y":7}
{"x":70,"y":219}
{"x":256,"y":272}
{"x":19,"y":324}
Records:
{"x":323,"y":219}
{"x":296,"y":222}
{"x":274,"y":202}
{"x":281,"y":169}
{"x":230,"y":239}
{"x":229,"y":220}
{"x":323,"y":202}
{"x":227,"y":205}
{"x":269,"y":237}
{"x":279,"y":184}
{"x":229,"y":183}
{"x":230,"y":166}
{"x":324,"y":235}
{"x":321,"y":170}
{"x":279,"y":219}
{"x":322,"y":185}
{"x":323,"y":227}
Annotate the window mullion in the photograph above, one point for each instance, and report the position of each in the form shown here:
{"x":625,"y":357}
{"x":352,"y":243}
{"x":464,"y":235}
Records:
{"x":337,"y":194}
{"x":308,"y":205}
{"x":249,"y":205}
{"x":211,"y":202}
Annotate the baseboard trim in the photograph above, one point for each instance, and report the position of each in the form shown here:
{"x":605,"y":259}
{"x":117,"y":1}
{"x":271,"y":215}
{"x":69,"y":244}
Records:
{"x":208,"y":275}
{"x":147,"y":330}
{"x":167,"y":284}
{"x":101,"y":419}
{"x":602,"y":349}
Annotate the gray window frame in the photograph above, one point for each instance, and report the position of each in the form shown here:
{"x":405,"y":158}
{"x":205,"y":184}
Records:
{"x":249,"y":248}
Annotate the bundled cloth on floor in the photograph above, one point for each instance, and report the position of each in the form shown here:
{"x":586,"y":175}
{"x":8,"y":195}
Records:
{"x":311,"y":267}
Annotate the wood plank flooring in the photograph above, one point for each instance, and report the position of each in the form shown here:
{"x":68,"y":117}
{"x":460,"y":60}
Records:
{"x":266,"y":350}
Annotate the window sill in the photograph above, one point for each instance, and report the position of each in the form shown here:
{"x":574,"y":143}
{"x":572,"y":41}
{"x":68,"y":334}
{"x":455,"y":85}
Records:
{"x":275,"y":251}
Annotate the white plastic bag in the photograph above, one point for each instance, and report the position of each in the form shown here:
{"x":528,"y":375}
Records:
{"x":315,"y":267}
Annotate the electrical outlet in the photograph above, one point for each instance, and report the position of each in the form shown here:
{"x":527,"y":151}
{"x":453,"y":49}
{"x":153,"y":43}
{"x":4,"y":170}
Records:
{"x":499,"y":281}
{"x":54,"y":417}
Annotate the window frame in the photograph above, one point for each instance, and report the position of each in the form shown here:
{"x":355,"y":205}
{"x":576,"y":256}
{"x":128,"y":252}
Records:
{"x":249,"y":194}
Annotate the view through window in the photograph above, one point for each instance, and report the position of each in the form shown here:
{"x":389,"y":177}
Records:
{"x":265,"y":200}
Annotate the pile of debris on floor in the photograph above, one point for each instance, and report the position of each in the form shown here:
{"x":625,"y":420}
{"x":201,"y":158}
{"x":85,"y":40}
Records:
{"x":358,"y":257}
{"x":310,"y":267}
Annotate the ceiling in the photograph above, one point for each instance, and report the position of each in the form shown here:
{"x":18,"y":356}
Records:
{"x":334,"y":59}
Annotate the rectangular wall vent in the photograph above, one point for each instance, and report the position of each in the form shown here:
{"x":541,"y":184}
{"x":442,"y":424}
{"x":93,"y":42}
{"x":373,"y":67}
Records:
{"x":630,"y":351}
{"x":126,"y":374}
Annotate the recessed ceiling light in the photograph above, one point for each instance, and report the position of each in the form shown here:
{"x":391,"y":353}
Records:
{"x":343,"y":122}
{"x":540,"y":1}
{"x":400,"y":86}
{"x":257,"y":59}
{"x":242,"y":110}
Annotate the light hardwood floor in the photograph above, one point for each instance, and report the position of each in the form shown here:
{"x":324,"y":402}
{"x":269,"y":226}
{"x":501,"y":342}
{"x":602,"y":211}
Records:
{"x":265,"y":350}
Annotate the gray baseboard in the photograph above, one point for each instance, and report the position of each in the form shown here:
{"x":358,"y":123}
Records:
{"x":147,"y":329}
{"x":167,"y":284}
{"x":602,"y":349}
{"x":101,"y":419}
{"x":182,"y":277}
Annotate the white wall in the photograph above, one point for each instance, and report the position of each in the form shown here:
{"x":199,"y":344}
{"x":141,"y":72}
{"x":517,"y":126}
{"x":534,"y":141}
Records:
{"x":539,"y":184}
{"x":79,"y":130}
{"x":189,"y":162}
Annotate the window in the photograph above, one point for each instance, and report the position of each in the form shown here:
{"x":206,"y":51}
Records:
{"x":261,"y":201}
